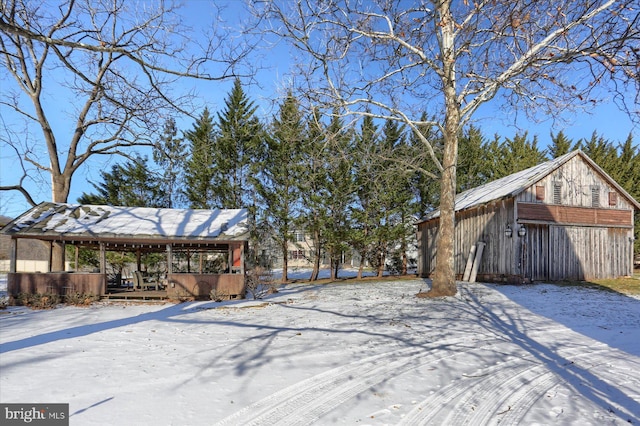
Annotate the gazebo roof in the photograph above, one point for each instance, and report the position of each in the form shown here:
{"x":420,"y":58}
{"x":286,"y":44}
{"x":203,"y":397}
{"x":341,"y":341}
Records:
{"x":61,"y":221}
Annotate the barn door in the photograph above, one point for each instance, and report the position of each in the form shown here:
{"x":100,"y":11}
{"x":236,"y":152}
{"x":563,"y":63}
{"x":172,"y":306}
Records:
{"x":536,"y":253}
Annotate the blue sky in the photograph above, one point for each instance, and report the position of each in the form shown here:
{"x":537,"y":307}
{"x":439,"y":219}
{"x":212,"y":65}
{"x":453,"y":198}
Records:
{"x":605,"y":118}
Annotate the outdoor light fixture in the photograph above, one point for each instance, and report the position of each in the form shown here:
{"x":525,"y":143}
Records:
{"x":508,"y":232}
{"x":522,"y":231}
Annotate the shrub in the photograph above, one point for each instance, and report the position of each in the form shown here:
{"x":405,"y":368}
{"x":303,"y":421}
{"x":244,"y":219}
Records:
{"x":80,"y":299}
{"x":218,"y":295}
{"x":38,"y":301}
{"x":260,"y":282}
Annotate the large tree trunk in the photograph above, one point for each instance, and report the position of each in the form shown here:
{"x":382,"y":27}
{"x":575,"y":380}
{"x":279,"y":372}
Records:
{"x":60,"y":186}
{"x":444,"y":279}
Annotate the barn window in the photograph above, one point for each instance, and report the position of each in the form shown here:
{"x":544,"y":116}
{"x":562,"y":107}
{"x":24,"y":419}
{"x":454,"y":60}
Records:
{"x":613,"y":198}
{"x":595,"y":196}
{"x":539,"y":193}
{"x":557,"y":193}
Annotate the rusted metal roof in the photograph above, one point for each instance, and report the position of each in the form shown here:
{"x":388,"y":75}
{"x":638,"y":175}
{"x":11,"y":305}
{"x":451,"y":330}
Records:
{"x":514,"y":184}
{"x":67,"y":221}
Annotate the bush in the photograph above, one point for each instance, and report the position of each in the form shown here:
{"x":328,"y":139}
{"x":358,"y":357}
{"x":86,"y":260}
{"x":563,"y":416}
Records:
{"x":38,"y":301}
{"x":260,"y":282}
{"x":218,"y":295}
{"x":80,"y":299}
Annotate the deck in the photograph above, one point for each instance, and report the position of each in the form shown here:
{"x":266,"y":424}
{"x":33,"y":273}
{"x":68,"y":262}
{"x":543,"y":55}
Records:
{"x":115,"y":294}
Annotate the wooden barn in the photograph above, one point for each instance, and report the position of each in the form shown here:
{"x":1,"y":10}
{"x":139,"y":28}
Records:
{"x":186,"y":238}
{"x":565,"y":219}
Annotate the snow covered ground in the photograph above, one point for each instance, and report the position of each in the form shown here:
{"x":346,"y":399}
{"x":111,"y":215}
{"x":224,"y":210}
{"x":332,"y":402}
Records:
{"x":366,"y":353}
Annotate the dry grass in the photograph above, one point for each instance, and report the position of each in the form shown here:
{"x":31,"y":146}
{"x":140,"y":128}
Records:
{"x":624,"y":285}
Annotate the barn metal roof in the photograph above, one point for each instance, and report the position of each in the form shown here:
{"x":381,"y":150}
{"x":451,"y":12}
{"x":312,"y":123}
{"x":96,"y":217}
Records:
{"x":514,"y":184}
{"x":73,"y":221}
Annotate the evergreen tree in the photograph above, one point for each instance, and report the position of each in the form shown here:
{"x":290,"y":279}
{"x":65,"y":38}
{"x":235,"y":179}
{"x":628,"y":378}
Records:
{"x":426,"y":188}
{"x":130,"y":185}
{"x":391,"y":195}
{"x":313,"y":188}
{"x":518,"y":154}
{"x":340,"y":190}
{"x":198,"y":171}
{"x":599,"y":150}
{"x":278,"y":188}
{"x":559,"y":146}
{"x":471,"y":160}
{"x":363,"y":212}
{"x":169,"y":154}
{"x":236,"y":151}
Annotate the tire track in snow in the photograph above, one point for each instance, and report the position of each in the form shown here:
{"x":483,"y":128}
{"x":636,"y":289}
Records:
{"x":427,"y":411}
{"x":523,"y":382}
{"x":306,"y":401}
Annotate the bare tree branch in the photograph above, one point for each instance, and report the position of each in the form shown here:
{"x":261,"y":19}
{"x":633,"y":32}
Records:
{"x":114,"y":68}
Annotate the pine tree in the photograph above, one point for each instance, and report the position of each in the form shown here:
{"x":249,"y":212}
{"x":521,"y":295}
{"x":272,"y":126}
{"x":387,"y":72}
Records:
{"x":313,"y":188}
{"x":130,"y":185}
{"x":198,"y":171}
{"x":471,"y":160}
{"x":169,"y":154}
{"x":518,"y":154}
{"x":365,"y":159}
{"x":278,"y":188}
{"x":559,"y":146}
{"x":236,"y":150}
{"x":340,"y":191}
{"x":426,"y":189}
{"x":599,"y":150}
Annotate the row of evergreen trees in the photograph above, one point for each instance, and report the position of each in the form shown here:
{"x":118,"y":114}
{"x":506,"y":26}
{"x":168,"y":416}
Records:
{"x":347,"y":185}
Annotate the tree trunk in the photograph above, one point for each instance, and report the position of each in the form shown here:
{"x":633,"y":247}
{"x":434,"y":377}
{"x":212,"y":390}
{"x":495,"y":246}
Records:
{"x":285,"y":261}
{"x":60,"y":186}
{"x":444,"y":282}
{"x":317,"y":253}
{"x":381,"y":260}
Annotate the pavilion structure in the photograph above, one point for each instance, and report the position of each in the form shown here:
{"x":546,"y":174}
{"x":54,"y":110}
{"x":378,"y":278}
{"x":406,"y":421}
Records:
{"x":189,"y":239}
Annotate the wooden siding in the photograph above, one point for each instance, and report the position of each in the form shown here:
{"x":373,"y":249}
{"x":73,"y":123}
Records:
{"x":575,"y":215}
{"x":486,"y":224}
{"x":199,"y":286}
{"x":60,"y":283}
{"x":582,"y":253}
{"x":577,"y":180}
{"x":536,"y":253}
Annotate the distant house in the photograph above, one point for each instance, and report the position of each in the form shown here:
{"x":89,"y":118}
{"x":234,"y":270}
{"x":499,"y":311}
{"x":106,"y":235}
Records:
{"x":34,"y":254}
{"x":565,"y":219}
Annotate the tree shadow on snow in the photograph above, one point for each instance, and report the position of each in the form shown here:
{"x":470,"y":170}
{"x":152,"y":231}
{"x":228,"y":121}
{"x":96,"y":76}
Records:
{"x":515,"y":328}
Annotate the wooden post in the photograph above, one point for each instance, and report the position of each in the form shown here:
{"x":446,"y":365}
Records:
{"x":476,"y":262}
{"x":467,"y":269}
{"x":13,"y":256}
{"x":50,"y":256}
{"x":169,"y":259}
{"x":103,"y":265}
{"x":138,"y":264}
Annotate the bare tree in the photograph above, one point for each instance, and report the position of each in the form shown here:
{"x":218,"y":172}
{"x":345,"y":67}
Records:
{"x":110,"y":66}
{"x":395,"y":59}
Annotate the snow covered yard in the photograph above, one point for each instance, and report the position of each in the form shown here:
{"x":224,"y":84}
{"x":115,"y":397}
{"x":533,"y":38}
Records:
{"x":366,"y":353}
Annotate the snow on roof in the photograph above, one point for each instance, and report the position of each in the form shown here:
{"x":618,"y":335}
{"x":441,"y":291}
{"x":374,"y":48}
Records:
{"x":82,"y":221}
{"x":512,"y":185}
